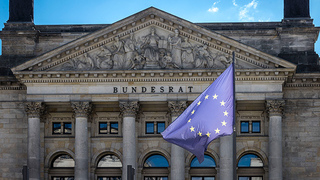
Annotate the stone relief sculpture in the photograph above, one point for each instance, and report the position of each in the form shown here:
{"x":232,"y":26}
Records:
{"x":151,"y":51}
{"x":175,"y":47}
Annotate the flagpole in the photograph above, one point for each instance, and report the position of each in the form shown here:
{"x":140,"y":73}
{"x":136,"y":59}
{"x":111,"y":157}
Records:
{"x":234,"y":120}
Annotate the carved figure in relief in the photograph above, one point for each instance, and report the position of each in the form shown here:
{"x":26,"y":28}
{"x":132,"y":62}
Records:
{"x":187,"y":56}
{"x":138,"y":61}
{"x":167,"y":62}
{"x":175,"y":47}
{"x":203,"y":58}
{"x":118,"y":54}
{"x":85,"y":63}
{"x":150,"y":46}
{"x":129,"y":48}
{"x":103,"y":59}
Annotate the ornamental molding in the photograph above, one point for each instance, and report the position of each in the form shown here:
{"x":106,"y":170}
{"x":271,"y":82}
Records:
{"x":81,"y":109}
{"x":275,"y":107}
{"x":151,"y":39}
{"x":35,"y":109}
{"x":151,"y":75}
{"x":177,"y":107}
{"x":304,"y":80}
{"x":129,"y":108}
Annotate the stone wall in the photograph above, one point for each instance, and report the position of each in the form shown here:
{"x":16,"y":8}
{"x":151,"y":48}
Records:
{"x":13,"y":134}
{"x":301,"y":134}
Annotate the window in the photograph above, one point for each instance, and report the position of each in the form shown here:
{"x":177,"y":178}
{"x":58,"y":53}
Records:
{"x":250,"y":167}
{"x":256,"y":127}
{"x":156,"y":167}
{"x":250,"y":127}
{"x":109,"y":168}
{"x":109,"y":161}
{"x":245,"y":127}
{"x":155,"y":127}
{"x":202,"y":178}
{"x":62,"y":168}
{"x":204,"y":171}
{"x":250,"y":160}
{"x":63,"y":178}
{"x":250,"y":178}
{"x":108,"y":128}
{"x":155,"y":178}
{"x":109,"y":178}
{"x":61,"y":128}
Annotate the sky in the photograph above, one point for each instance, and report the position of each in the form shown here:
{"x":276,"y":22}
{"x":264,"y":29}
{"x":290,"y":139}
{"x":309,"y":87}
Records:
{"x":55,"y":12}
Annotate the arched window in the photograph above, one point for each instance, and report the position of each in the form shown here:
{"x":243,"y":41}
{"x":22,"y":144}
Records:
{"x":62,"y":167}
{"x":250,"y":167}
{"x":155,"y":167}
{"x":109,"y":168}
{"x":204,"y":171}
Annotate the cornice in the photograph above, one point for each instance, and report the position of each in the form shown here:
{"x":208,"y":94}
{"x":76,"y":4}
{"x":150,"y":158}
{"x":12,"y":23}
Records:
{"x":304,"y":80}
{"x":151,"y":75}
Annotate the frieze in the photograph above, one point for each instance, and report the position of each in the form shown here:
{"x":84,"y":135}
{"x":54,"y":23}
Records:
{"x":149,"y":51}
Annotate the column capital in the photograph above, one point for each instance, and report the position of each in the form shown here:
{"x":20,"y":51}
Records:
{"x":35,"y":109}
{"x":275,"y":107}
{"x":81,"y":108}
{"x":177,"y":107}
{"x":129,"y":108}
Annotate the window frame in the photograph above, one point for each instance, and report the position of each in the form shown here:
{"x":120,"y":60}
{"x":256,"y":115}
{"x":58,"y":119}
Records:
{"x":62,"y":128}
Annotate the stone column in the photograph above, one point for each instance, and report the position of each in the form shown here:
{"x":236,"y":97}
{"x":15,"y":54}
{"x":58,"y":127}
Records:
{"x":177,"y":153}
{"x":275,"y":108}
{"x":34,"y":111}
{"x":227,"y":158}
{"x":82,"y":111}
{"x":129,"y":110}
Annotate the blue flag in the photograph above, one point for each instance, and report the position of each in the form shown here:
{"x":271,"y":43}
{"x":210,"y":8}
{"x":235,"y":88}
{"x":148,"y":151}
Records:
{"x":209,"y":116}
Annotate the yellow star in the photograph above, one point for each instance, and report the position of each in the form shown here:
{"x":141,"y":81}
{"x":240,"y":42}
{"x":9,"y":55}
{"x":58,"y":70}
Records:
{"x":208,"y":134}
{"x":222,"y":103}
{"x":215,"y":96}
{"x":199,"y":103}
{"x":189,"y":120}
{"x":192,"y":112}
{"x":199,"y":133}
{"x":225,"y":113}
{"x":224,"y":123}
{"x":217,"y":131}
{"x":192,"y":129}
{"x":207,"y":96}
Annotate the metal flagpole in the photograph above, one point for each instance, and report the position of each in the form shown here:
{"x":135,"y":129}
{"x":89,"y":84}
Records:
{"x":234,"y":120}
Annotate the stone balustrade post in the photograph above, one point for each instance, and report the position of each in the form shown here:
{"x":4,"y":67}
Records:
{"x":177,"y":152}
{"x":129,"y":111}
{"x":34,"y":111}
{"x":275,"y":109}
{"x":81,"y":111}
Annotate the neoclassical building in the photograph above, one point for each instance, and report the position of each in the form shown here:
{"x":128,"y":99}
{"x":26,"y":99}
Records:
{"x":85,"y":101}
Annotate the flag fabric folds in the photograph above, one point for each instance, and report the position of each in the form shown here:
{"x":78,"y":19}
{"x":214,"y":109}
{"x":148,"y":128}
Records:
{"x":209,"y":116}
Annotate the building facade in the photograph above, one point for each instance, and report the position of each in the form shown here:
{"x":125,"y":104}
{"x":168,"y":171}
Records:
{"x":84,"y":101}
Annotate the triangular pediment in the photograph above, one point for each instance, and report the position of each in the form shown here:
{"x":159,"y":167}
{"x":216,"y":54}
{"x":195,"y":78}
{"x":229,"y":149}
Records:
{"x":149,"y":40}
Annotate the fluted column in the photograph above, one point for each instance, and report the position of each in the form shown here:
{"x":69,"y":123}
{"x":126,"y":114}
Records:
{"x":129,"y":111}
{"x":34,"y":111}
{"x":275,"y":108}
{"x":177,"y":152}
{"x":81,"y":111}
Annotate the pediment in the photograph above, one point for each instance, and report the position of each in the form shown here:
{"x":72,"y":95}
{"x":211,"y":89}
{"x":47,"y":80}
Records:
{"x":152,"y":40}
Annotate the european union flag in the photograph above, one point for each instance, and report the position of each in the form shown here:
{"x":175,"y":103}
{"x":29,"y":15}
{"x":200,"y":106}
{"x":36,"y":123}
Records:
{"x":209,"y":116}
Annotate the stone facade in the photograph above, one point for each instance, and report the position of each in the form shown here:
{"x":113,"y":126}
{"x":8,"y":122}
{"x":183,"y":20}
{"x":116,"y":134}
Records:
{"x":106,"y":90}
